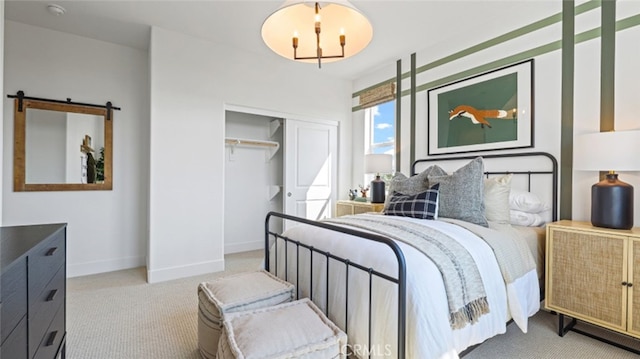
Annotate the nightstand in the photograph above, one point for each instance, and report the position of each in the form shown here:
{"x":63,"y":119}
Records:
{"x":344,"y":208}
{"x":590,"y":274}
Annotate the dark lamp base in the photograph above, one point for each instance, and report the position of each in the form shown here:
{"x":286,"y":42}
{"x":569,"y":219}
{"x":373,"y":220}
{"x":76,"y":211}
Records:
{"x":612,"y":203}
{"x":377,"y":190}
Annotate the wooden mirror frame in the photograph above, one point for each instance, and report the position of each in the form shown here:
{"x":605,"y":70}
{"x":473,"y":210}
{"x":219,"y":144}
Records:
{"x":19,"y":144}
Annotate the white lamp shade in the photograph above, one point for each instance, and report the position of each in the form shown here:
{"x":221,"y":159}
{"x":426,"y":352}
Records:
{"x":298,"y":16}
{"x":607,"y":151}
{"x":378,"y":163}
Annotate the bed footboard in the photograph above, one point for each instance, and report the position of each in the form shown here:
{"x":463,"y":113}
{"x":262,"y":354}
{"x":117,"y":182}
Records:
{"x":274,"y":239}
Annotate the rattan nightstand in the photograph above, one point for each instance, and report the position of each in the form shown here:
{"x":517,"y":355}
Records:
{"x":344,"y":208}
{"x":589,"y":276}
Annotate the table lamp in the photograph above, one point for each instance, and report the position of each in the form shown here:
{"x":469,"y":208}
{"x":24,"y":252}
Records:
{"x":378,"y":163}
{"x":611,"y":199}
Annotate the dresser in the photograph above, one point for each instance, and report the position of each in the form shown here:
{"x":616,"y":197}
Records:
{"x":593,"y":274}
{"x":33,"y":291}
{"x":344,"y":208}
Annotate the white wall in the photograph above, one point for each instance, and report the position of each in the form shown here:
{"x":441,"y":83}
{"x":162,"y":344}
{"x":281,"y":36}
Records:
{"x":548,"y":72}
{"x":191,"y":82}
{"x":106,"y":229}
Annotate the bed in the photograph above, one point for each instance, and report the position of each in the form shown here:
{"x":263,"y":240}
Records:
{"x":406,"y":287}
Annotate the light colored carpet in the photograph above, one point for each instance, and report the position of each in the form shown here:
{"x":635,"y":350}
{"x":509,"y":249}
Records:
{"x":542,"y":341}
{"x":118,"y":315}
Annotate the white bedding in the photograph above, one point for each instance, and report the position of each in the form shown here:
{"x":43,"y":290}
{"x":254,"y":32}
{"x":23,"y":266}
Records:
{"x":429,"y":334}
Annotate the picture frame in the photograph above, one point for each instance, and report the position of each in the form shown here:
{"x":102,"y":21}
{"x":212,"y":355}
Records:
{"x":489,"y":111}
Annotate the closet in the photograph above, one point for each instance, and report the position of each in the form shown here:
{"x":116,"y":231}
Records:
{"x":275,"y":164}
{"x":253,"y":178}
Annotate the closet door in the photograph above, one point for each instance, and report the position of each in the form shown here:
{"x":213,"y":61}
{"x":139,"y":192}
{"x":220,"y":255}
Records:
{"x":310,"y":166}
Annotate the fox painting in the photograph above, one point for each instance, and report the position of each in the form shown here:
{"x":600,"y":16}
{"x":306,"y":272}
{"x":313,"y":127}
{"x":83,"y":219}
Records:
{"x":476,"y":116}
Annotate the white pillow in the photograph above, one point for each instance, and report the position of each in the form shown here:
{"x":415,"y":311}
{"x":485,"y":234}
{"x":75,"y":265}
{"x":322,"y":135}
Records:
{"x":524,"y":201}
{"x":520,"y":218}
{"x":496,"y":198}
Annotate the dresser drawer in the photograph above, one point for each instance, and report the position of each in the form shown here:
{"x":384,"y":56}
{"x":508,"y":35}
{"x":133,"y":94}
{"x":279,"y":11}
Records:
{"x":14,"y":297}
{"x":44,"y":306}
{"x":44,"y":262}
{"x":15,"y":347}
{"x":50,"y":344}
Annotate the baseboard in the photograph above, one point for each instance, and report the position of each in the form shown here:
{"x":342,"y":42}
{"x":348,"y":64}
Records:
{"x":111,"y":265}
{"x":243,"y":247}
{"x":177,"y":272}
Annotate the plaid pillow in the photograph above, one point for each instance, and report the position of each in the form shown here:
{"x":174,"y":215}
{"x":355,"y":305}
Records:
{"x":423,"y":205}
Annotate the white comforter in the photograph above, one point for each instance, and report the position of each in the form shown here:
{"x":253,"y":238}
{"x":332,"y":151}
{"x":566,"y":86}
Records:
{"x":428,"y":332}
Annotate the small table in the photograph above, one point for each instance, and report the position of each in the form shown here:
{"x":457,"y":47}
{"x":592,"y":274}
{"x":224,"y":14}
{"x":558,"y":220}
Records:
{"x":346,"y":207}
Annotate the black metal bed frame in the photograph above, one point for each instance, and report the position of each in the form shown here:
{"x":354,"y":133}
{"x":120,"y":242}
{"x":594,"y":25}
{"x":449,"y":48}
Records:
{"x":400,"y":279}
{"x":553,"y":171}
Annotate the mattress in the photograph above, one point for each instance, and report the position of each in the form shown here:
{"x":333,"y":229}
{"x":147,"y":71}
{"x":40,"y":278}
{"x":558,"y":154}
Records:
{"x":536,"y":240}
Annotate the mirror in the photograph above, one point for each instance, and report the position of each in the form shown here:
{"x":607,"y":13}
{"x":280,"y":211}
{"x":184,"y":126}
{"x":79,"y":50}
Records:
{"x":62,"y":146}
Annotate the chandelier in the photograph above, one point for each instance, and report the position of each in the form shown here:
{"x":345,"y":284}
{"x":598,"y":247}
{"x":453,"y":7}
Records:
{"x":317,"y":31}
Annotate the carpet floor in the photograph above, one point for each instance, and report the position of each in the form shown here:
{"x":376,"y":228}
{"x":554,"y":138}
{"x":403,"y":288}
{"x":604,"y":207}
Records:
{"x":118,"y":315}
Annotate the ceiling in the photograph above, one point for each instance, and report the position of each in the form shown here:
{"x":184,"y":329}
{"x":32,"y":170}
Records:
{"x":399,"y":27}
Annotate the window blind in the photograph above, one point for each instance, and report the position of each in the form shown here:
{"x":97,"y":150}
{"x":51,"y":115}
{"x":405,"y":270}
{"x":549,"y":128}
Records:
{"x":378,"y":95}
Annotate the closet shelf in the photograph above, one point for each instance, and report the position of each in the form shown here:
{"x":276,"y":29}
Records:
{"x":271,"y":146}
{"x":274,"y":190}
{"x":274,"y":125}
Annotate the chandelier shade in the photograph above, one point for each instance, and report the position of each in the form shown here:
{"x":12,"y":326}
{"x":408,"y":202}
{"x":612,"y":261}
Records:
{"x":319,"y":32}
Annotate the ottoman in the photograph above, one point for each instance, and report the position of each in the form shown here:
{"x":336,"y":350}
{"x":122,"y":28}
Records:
{"x":240,"y":292}
{"x":296,"y":329}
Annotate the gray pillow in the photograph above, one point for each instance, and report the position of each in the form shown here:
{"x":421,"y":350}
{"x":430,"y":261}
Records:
{"x":412,"y":185}
{"x":461,"y":194}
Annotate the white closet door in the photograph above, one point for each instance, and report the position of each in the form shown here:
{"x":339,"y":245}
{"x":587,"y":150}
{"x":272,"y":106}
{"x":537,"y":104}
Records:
{"x":310,"y":166}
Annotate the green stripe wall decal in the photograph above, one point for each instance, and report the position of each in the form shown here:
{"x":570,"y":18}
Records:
{"x":607,"y":65}
{"x":566,"y":125}
{"x":628,"y":22}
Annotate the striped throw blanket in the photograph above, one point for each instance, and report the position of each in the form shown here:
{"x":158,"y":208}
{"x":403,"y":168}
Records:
{"x":465,"y":291}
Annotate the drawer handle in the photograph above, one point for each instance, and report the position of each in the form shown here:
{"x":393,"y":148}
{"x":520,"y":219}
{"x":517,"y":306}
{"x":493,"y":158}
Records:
{"x":629,"y":284}
{"x":51,"y":251}
{"x":624,"y":283}
{"x":52,"y":338}
{"x":51,"y":295}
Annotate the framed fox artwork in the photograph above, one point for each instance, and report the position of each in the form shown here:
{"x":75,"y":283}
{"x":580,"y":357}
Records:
{"x":489,"y":111}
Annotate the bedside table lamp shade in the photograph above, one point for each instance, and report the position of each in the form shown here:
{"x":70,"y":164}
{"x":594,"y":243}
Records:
{"x":611,"y":199}
{"x":377,"y":163}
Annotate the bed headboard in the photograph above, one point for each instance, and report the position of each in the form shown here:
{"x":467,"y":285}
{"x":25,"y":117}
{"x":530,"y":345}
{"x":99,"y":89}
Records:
{"x":535,"y":172}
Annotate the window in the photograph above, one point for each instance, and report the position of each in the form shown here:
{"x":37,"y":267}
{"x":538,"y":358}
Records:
{"x":380,"y":129}
{"x":380,"y":133}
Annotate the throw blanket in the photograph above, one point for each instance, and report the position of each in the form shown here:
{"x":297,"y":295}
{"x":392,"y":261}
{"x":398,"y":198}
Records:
{"x":513,"y":256}
{"x":465,"y":291}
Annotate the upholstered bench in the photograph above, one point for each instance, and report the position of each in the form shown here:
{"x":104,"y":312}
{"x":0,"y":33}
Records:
{"x":240,"y":292}
{"x":291,"y":330}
